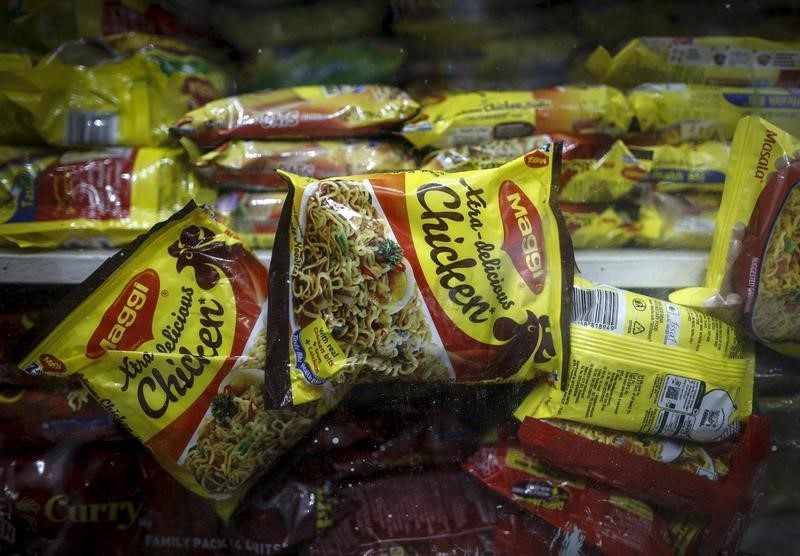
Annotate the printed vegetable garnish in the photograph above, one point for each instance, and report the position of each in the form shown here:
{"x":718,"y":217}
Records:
{"x":222,"y":407}
{"x":403,"y":276}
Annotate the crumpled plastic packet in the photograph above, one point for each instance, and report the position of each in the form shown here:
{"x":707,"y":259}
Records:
{"x":88,"y":93}
{"x":308,"y":111}
{"x":733,"y":61}
{"x":475,"y":117}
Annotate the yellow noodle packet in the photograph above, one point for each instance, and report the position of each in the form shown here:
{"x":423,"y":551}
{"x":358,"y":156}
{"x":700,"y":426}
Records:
{"x":603,"y":179}
{"x":622,"y":167}
{"x":674,"y":113}
{"x":677,"y":219}
{"x":168,"y":335}
{"x":253,"y":165}
{"x":694,"y":166}
{"x":598,"y":226}
{"x":455,"y":277}
{"x":469,"y":118}
{"x":309,"y":111}
{"x":753,"y":275}
{"x":735,"y":61}
{"x":86,"y":93}
{"x":92,"y":198}
{"x":640,"y":364}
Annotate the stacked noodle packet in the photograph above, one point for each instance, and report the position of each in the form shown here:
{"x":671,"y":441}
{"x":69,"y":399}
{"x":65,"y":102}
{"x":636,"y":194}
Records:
{"x":238,"y":144}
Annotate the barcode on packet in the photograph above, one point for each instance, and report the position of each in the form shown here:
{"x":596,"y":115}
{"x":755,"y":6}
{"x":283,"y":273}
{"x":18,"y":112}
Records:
{"x":672,"y":393}
{"x":601,"y":309}
{"x":91,"y":128}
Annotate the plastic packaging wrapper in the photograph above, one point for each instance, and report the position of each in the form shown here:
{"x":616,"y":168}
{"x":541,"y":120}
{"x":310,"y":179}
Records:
{"x":254,"y":216}
{"x":521,"y":532}
{"x":168,"y":336}
{"x":433,"y":512}
{"x":616,"y":172}
{"x":732,"y":61}
{"x":468,"y":118}
{"x":681,"y":219}
{"x":357,"y":444}
{"x":112,"y":498}
{"x":674,"y":113}
{"x":44,"y":417}
{"x":753,"y":275}
{"x":600,"y":226}
{"x":398,"y":276}
{"x":496,"y":153}
{"x":97,"y":198}
{"x":640,"y":364}
{"x":86,"y":93}
{"x":279,"y":515}
{"x":71,"y":498}
{"x":254,"y":164}
{"x":589,"y":513}
{"x":298,"y":113}
{"x":684,"y":477}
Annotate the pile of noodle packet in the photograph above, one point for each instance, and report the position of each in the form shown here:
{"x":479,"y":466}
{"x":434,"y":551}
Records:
{"x":635,"y":430}
{"x":237,"y":145}
{"x":86,"y":158}
{"x":468,"y":278}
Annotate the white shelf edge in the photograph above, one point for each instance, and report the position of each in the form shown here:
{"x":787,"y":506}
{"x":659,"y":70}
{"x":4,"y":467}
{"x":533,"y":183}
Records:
{"x":624,"y":268}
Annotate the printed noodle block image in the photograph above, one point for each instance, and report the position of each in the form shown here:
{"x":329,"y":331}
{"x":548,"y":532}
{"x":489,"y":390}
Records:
{"x":349,"y":271}
{"x":238,"y":437}
{"x":776,"y":311}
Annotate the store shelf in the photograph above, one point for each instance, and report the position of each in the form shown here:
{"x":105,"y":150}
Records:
{"x":625,"y":268}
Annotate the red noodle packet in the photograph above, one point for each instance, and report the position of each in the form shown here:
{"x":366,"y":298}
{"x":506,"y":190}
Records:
{"x":615,"y":523}
{"x":670,"y":485}
{"x":73,"y":498}
{"x":725,"y":505}
{"x":279,"y":514}
{"x":31,"y":417}
{"x":520,"y":532}
{"x":434,"y":512}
